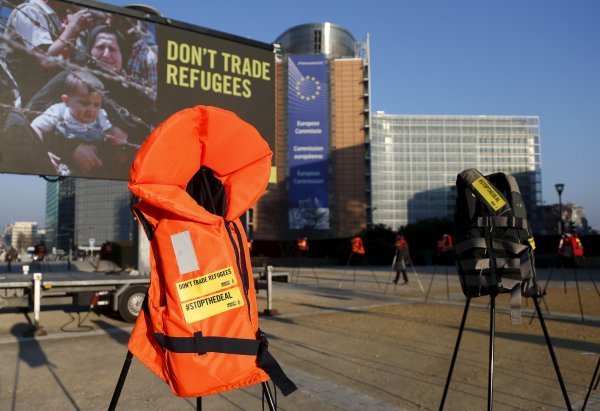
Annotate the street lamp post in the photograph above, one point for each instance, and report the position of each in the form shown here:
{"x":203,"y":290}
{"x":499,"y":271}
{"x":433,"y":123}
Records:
{"x":559,"y":189}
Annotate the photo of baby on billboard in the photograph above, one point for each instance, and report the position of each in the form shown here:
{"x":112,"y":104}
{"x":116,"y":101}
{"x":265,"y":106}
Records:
{"x":78,"y":89}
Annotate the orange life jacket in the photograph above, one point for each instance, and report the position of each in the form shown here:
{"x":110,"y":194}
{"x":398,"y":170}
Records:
{"x":570,"y":246}
{"x":444,"y":244}
{"x":357,"y":246}
{"x":302,"y":244}
{"x":401,"y":243}
{"x":198,"y":329}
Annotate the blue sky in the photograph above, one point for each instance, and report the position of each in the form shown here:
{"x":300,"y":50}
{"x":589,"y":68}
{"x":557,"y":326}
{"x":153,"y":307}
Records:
{"x":509,"y":57}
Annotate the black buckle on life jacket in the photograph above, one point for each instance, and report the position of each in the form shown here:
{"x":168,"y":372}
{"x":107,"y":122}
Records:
{"x":198,"y":342}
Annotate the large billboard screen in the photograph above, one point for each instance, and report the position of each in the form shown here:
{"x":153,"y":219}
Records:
{"x":82,"y":84}
{"x":308,"y":132}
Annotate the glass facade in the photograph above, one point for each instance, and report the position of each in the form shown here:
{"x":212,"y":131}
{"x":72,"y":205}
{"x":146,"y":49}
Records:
{"x":79,"y":209}
{"x":415,"y":160}
{"x":60,"y":213}
{"x":102,"y":211}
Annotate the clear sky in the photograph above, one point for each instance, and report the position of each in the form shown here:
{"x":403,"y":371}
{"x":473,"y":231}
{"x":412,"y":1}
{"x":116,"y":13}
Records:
{"x":503,"y":57}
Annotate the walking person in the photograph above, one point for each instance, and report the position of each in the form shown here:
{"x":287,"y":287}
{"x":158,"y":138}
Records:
{"x":400,"y":258}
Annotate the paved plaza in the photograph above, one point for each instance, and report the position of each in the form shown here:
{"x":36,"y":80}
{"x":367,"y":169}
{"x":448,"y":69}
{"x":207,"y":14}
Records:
{"x":350,"y":339}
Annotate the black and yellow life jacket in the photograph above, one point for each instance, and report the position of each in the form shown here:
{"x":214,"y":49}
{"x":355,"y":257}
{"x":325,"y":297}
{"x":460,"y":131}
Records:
{"x":493,"y":240}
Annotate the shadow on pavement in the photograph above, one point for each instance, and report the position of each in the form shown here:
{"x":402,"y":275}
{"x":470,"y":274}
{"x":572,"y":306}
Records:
{"x":31,"y":353}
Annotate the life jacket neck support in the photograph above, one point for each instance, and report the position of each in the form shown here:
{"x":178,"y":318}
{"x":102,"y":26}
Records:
{"x":195,"y":175}
{"x":493,"y":241}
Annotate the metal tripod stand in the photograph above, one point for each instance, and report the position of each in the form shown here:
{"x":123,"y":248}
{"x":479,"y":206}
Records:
{"x":125,"y":370}
{"x":562,"y":268}
{"x":443,"y":259}
{"x":354,"y":276}
{"x":491,"y":352}
{"x":297,"y":267}
{"x":593,"y":385}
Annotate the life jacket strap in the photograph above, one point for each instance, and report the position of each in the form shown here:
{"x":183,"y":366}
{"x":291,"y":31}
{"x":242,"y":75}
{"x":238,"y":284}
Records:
{"x":508,"y":246}
{"x":199,"y":344}
{"x":502,"y":222}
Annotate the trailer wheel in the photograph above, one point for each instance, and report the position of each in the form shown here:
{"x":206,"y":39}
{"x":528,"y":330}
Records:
{"x":130,"y":302}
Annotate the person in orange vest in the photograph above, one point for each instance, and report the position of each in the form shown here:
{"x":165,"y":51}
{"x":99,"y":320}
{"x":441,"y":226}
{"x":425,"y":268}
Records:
{"x":400,"y":257}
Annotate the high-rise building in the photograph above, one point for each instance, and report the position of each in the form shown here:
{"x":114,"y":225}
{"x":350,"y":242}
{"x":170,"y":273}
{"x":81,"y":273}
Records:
{"x":60,"y":213}
{"x":102,"y":211}
{"x":24,"y":234}
{"x":415,"y":160}
{"x":322,"y":111}
{"x":78,"y":210}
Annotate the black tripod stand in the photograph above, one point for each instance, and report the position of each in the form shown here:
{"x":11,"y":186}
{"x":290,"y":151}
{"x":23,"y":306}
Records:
{"x":125,"y":370}
{"x":562,"y":268}
{"x":442,"y":259}
{"x":297,"y":266}
{"x":491,"y":352}
{"x":593,"y":385}
{"x":364,"y":261}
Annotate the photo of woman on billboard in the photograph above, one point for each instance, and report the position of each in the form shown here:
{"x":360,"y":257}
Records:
{"x":120,"y":59}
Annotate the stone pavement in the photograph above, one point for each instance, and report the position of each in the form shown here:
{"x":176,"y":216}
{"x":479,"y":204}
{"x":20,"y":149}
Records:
{"x":349,"y":339}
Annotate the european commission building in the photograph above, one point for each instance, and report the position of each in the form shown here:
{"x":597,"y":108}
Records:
{"x":415,"y":160}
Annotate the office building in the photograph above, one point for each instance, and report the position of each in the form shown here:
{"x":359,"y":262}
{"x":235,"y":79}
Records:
{"x":322,"y":112}
{"x":60,"y":214}
{"x":79,"y":210}
{"x":415,"y":160}
{"x":102,"y":212}
{"x":24,"y":234}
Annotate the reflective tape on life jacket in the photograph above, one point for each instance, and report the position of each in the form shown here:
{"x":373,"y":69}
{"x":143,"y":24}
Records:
{"x":199,"y":329}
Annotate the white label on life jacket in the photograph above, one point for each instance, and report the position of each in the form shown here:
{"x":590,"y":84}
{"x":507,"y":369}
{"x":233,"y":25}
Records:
{"x":184,"y":252}
{"x":207,"y":284}
{"x":486,"y":189}
{"x":201,"y":308}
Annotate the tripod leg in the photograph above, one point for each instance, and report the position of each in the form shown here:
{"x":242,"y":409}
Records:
{"x":593,"y":282}
{"x":460,"y":331}
{"x":491,"y":354}
{"x":387,"y":283}
{"x":554,"y":362}
{"x":548,"y":279}
{"x":346,"y":270}
{"x":269,"y":396}
{"x":587,"y":396}
{"x":578,"y":294}
{"x":447,"y":283}
{"x":430,"y":283}
{"x":119,"y":387}
{"x":374,"y":276}
{"x":417,"y":277}
{"x":315,"y":273}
